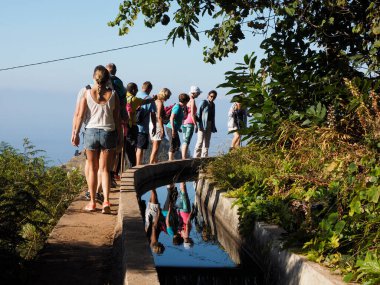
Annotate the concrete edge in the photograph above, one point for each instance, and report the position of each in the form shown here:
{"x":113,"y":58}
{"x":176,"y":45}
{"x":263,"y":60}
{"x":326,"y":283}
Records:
{"x":265,"y":245}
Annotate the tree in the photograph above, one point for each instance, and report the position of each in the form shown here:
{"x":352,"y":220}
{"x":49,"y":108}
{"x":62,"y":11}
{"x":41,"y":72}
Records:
{"x":310,"y":47}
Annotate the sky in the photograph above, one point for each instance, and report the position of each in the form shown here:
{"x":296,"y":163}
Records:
{"x":38,"y":102}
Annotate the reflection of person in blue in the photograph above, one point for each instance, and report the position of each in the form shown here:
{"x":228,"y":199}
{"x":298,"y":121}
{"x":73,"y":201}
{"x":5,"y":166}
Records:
{"x":153,"y":223}
{"x":185,"y":216}
{"x":170,"y":214}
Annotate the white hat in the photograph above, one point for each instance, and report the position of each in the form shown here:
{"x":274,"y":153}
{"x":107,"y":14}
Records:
{"x":195,"y":89}
{"x":187,"y":245}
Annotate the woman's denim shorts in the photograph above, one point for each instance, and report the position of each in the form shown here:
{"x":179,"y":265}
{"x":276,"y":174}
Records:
{"x":98,"y":139}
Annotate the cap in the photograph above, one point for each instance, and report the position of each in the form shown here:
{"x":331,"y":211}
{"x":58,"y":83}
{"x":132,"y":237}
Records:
{"x":195,"y":89}
{"x":187,"y":245}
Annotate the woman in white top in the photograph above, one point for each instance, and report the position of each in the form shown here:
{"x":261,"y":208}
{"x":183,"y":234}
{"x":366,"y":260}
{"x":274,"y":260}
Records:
{"x":237,"y":120}
{"x":101,"y":138}
{"x":157,"y":131}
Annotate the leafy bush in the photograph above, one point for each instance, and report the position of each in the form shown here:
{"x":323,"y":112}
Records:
{"x":320,"y":186}
{"x":32,"y":198}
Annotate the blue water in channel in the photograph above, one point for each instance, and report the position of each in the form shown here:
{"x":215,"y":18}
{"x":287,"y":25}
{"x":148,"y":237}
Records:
{"x":202,"y":253}
{"x":205,"y":262}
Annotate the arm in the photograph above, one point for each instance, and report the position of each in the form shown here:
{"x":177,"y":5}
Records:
{"x":192,"y":113}
{"x":76,"y":112}
{"x":199,"y":115}
{"x":159,"y":111}
{"x":172,"y":117}
{"x":116,"y":118}
{"x":78,"y":121}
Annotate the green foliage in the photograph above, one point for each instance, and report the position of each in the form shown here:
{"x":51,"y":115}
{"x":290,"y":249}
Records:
{"x":319,"y":186}
{"x":32,"y":198}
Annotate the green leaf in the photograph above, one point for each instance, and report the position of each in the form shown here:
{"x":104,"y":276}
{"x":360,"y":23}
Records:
{"x":355,"y":206}
{"x":339,"y":226}
{"x":373,"y":194}
{"x":290,"y":11}
{"x":376,"y":30}
{"x":348,"y":277}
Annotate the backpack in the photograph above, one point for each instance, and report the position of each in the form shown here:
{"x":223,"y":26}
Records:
{"x":140,"y":115}
{"x":167,"y":113}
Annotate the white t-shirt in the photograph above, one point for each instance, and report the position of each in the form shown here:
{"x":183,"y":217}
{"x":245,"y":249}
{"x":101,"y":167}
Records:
{"x":101,"y":115}
{"x":80,"y":95}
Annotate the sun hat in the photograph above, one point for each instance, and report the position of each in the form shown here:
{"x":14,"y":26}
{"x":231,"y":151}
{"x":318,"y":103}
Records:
{"x":187,"y":245}
{"x":195,"y":89}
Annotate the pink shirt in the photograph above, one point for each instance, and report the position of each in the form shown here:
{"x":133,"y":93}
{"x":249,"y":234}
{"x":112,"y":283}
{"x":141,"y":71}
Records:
{"x":189,"y":118}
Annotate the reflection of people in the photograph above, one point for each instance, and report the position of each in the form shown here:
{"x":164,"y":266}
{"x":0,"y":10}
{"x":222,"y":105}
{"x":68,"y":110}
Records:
{"x":170,"y":214}
{"x":185,"y":216}
{"x":237,"y":119}
{"x":101,"y":134}
{"x":206,"y":125}
{"x":153,"y":223}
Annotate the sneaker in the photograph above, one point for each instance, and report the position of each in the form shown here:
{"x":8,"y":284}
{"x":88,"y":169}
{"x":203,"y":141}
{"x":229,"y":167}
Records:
{"x":113,"y":183}
{"x":99,"y":197}
{"x":87,"y":195}
{"x":116,"y":177}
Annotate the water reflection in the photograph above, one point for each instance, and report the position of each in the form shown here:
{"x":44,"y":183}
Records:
{"x":177,"y":232}
{"x":182,"y":237}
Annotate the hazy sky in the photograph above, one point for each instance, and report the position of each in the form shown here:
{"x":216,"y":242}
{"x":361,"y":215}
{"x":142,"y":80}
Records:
{"x":38,"y":101}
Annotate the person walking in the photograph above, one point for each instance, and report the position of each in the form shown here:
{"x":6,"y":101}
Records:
{"x":133,"y":103}
{"x":189,"y":122}
{"x":147,"y":114}
{"x":156,"y":128}
{"x":175,"y":123}
{"x":206,"y":125}
{"x":102,"y":133}
{"x":237,"y":119}
{"x":119,"y":88}
{"x":81,"y":94}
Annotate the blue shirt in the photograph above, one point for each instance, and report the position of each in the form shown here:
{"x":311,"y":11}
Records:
{"x":148,"y":108}
{"x":178,"y":117}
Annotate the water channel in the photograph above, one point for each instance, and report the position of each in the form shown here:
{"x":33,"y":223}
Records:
{"x":185,"y":248}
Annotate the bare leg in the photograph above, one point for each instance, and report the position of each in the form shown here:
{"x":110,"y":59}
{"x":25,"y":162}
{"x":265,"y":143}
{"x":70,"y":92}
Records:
{"x":139,"y":156}
{"x":93,"y":166}
{"x":171,"y":156}
{"x":235,"y":140}
{"x":104,"y":166}
{"x":153,"y":155}
{"x":185,"y":148}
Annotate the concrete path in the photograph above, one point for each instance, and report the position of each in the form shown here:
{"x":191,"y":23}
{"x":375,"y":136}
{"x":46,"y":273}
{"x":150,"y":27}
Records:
{"x":80,"y":248}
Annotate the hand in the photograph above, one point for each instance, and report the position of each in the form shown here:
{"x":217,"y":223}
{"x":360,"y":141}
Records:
{"x":75,"y":139}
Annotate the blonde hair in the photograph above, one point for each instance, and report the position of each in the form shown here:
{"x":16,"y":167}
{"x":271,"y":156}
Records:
{"x":101,"y":77}
{"x":164,"y":94}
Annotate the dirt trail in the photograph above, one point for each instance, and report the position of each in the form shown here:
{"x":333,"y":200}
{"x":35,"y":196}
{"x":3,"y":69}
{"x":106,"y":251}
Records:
{"x":80,"y":248}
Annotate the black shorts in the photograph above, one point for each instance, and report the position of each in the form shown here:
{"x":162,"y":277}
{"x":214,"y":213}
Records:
{"x":142,"y":141}
{"x":132,"y":135}
{"x":175,"y":143}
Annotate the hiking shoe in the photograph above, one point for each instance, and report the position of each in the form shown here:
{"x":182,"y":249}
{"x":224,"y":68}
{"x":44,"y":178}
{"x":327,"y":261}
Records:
{"x":99,"y":197}
{"x":113,"y":183}
{"x":87,"y":195}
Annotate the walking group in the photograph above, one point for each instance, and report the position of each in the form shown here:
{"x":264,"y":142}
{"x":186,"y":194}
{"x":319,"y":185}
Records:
{"x":121,"y":121}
